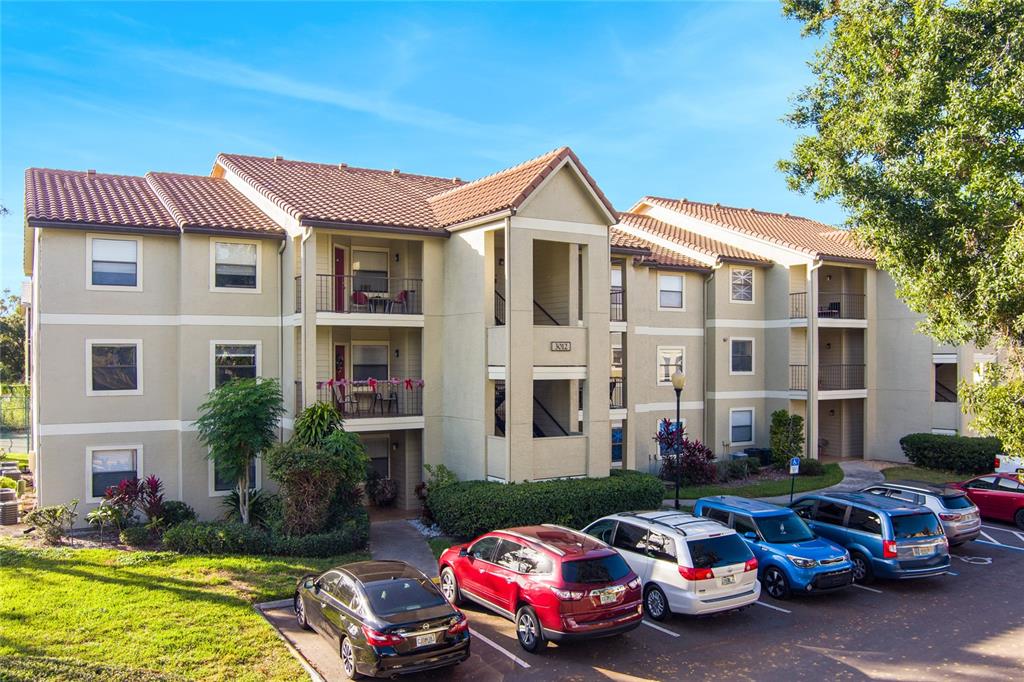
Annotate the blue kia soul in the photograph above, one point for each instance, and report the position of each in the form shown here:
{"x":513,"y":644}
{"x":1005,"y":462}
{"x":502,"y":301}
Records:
{"x":790,"y":558}
{"x":886,"y":537}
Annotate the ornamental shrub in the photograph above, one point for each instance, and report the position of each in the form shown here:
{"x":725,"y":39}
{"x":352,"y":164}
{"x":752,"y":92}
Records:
{"x":176,"y":512}
{"x":962,"y":454}
{"x":811,"y":467}
{"x":135,"y":536}
{"x":198,"y":537}
{"x":786,"y":435}
{"x":466,"y":509}
{"x":6,"y":482}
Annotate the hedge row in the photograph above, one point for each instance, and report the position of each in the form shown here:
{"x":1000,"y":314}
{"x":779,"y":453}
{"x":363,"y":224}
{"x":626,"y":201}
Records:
{"x":468,"y":508}
{"x":961,"y":454}
{"x":201,"y":537}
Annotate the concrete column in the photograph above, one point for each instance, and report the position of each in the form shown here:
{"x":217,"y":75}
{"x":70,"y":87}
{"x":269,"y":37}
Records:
{"x":309,"y":285}
{"x":811,"y":423}
{"x":596,"y":316}
{"x":519,"y":369}
{"x":434,"y":357}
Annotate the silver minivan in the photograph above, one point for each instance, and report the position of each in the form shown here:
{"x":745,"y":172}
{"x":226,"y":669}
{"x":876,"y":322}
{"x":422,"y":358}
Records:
{"x":959,"y":516}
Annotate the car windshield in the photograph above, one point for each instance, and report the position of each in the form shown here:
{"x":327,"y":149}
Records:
{"x":388,"y":597}
{"x":606,"y":569}
{"x":907,"y":526}
{"x":958,"y":501}
{"x":725,"y":550}
{"x":784,"y":528}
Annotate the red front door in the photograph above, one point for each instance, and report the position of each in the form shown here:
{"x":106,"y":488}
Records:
{"x":339,"y":280}
{"x":339,"y":371}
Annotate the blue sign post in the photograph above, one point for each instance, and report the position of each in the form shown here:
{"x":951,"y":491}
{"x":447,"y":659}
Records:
{"x":794,"y":469}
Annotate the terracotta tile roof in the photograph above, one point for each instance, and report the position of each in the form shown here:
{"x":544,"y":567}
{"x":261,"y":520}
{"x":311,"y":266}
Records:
{"x":90,"y":198}
{"x":705,"y":245}
{"x":655,"y":256}
{"x":343,"y":194}
{"x":801,"y":234}
{"x":506,"y":189}
{"x":201,"y":203}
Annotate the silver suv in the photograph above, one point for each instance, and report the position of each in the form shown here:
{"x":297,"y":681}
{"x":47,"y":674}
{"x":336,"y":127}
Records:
{"x":959,"y":517}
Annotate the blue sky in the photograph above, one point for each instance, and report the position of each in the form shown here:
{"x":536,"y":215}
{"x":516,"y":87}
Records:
{"x":672,"y":99}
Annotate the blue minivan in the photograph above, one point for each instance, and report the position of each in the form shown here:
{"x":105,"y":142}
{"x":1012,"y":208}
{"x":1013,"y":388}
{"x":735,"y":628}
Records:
{"x":886,"y":537}
{"x":790,"y":559}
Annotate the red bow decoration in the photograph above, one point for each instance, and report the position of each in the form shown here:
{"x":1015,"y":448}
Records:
{"x":372,"y":383}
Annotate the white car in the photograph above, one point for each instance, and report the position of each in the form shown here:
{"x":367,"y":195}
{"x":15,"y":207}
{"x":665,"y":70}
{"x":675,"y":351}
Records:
{"x":688,"y":565}
{"x":1009,"y":464}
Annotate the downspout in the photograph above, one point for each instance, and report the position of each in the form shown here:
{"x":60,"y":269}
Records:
{"x":708,"y":427}
{"x":813,"y":436}
{"x":508,"y":349}
{"x":280,"y":318}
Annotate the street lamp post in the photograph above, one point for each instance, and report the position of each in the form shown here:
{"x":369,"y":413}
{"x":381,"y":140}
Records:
{"x":678,"y":383}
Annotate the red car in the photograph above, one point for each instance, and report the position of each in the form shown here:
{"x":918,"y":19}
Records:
{"x":997,"y":496}
{"x":554,"y":583}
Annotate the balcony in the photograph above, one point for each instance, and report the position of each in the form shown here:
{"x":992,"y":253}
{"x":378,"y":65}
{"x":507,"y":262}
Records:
{"x":616,"y":393}
{"x":365,"y":294}
{"x":831,"y":306}
{"x":617,"y":311}
{"x":362,"y":399}
{"x":830,"y":377}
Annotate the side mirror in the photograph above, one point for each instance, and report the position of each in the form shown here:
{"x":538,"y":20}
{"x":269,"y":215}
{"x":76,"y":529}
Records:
{"x":463,"y":552}
{"x":308,"y":584}
{"x":750,"y":535}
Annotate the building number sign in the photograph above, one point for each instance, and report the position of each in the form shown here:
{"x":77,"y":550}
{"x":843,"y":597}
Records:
{"x":561,"y":346}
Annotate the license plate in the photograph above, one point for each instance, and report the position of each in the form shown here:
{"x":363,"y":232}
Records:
{"x":923,"y":551}
{"x":426,"y":640}
{"x":728,"y":580}
{"x":607,"y":597}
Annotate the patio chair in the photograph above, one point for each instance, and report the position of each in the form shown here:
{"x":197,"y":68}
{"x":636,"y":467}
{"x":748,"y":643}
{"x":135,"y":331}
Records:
{"x":360,"y":301}
{"x":401,"y":300}
{"x":346,"y":402}
{"x":391,"y":402}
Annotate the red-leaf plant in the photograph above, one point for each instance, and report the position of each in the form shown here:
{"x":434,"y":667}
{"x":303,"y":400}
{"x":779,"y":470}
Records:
{"x":130,"y":495}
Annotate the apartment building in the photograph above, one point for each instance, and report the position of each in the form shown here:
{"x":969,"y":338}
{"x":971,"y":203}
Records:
{"x":512,"y":328}
{"x":766,"y":311}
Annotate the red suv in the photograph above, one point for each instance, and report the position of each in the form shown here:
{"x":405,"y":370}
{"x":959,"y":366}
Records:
{"x":997,"y":496}
{"x":556,"y":584}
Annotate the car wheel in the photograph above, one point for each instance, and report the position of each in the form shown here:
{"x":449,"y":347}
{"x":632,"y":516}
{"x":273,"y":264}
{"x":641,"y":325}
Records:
{"x":300,"y":613}
{"x":861,"y":569}
{"x":528,"y":631}
{"x":348,"y":660}
{"x":1018,"y":518}
{"x":655,"y":603}
{"x":450,"y":586}
{"x":775,"y":583}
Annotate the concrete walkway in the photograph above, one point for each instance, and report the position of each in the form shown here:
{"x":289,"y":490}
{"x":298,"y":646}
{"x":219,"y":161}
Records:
{"x":398,"y":539}
{"x":856,"y":475}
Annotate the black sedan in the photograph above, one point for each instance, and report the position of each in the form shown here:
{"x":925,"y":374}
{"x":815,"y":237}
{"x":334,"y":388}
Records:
{"x":384,"y":617}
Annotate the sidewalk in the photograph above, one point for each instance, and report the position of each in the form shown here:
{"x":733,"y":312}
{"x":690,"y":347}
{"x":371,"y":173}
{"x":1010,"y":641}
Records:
{"x":856,"y":475}
{"x":397,"y":539}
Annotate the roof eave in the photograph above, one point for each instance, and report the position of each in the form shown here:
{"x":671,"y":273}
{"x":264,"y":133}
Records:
{"x":745,"y":261}
{"x":104,"y":227}
{"x":678,"y":268}
{"x":228,"y":232}
{"x":370,"y":227}
{"x":845,"y":259}
{"x":631,"y":250}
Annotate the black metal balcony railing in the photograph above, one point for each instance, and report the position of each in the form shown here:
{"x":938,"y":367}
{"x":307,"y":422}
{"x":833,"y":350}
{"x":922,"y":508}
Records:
{"x":840,"y":377}
{"x":616,"y":393}
{"x":370,"y":398}
{"x":617,"y":311}
{"x":798,"y":377}
{"x":364,"y":294}
{"x":499,"y":308}
{"x":830,"y":306}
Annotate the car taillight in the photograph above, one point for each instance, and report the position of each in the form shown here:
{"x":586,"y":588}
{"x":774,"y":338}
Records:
{"x":377,"y":638}
{"x":951,"y":517}
{"x":889,"y":549}
{"x":751,"y":565}
{"x":633,"y":584}
{"x":690,"y":573}
{"x":460,"y":625}
{"x":568,"y":595}
{"x":997,"y":462}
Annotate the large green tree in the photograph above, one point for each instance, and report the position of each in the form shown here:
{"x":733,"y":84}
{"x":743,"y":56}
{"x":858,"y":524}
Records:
{"x":237,"y":422}
{"x":12,"y":339}
{"x":915,"y":125}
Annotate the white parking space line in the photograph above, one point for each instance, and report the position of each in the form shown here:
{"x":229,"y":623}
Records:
{"x":999,"y":544}
{"x":985,"y":525}
{"x":869,"y":589}
{"x":660,"y":629}
{"x":1020,"y":536}
{"x":988,"y":537}
{"x":771,"y":606}
{"x":515,"y":659}
{"x":951,"y":573}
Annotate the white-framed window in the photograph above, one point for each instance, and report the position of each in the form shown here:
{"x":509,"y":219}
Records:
{"x":670,"y":360}
{"x":113,"y":367}
{"x":232,"y":360}
{"x":741,"y":355}
{"x":741,"y":285}
{"x":370,"y":360}
{"x":107,"y":465}
{"x":235,"y":265}
{"x":741,"y":426}
{"x":221,"y":485}
{"x":670,"y":292}
{"x":370,"y":269}
{"x":944,"y":432}
{"x":113,"y":263}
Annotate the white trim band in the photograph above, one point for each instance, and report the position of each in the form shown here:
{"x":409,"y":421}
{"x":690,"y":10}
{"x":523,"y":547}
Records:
{"x":160,"y":320}
{"x":668,"y":406}
{"x":746,"y":395}
{"x":668,"y":331}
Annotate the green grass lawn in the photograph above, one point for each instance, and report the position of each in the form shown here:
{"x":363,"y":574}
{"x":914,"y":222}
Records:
{"x":20,"y":457}
{"x":439,"y":545}
{"x":147,"y":615}
{"x":912,"y":473}
{"x":833,"y":474}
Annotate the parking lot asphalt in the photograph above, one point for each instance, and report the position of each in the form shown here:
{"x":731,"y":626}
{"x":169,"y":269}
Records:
{"x":967,"y":624}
